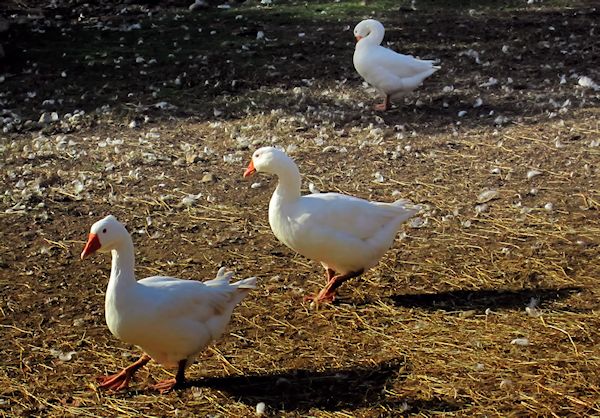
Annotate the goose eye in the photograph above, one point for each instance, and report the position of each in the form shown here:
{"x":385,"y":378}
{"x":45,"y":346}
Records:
{"x":104,"y":231}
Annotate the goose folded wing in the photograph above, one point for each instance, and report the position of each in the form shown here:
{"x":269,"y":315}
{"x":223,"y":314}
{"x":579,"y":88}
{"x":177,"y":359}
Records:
{"x":399,"y":64}
{"x":187,"y":298}
{"x":347,"y":214}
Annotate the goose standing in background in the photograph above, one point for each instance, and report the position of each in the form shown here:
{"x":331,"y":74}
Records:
{"x":391,"y":73}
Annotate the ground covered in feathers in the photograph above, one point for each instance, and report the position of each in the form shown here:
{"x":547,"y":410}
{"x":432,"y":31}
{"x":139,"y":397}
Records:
{"x":488,"y":301}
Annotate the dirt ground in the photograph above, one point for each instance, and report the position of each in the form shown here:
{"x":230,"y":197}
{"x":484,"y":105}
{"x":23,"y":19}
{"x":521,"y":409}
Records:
{"x":488,"y":302}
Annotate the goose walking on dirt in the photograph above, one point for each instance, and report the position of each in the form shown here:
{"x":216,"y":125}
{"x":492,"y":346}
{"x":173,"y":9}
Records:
{"x":347,"y":235}
{"x":391,"y":73}
{"x":171,"y":320}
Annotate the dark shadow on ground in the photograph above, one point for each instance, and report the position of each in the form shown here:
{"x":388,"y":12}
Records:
{"x":336,"y":389}
{"x":457,"y":300}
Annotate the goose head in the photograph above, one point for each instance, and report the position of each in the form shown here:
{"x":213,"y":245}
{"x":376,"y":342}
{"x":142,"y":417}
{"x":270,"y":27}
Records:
{"x":268,"y":160}
{"x":105,"y":235}
{"x":371,"y":30}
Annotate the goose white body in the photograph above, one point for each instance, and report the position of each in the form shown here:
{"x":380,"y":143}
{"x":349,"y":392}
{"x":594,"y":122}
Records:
{"x":391,"y":73}
{"x":342,"y":232}
{"x":346,"y":234}
{"x":170,"y":319}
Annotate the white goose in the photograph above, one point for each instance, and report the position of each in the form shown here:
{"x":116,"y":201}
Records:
{"x":347,"y":235}
{"x":172,"y":320}
{"x":391,"y":73}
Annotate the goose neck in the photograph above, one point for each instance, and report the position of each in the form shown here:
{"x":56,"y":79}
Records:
{"x":288,"y":187}
{"x":376,"y":34}
{"x":123,"y":264}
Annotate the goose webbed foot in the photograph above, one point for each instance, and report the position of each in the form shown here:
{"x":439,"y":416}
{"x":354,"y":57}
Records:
{"x":120,"y":381}
{"x":177,"y":382}
{"x":168,"y":385}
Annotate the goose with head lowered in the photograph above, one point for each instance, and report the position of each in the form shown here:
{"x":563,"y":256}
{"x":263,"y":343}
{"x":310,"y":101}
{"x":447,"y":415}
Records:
{"x":346,"y":234}
{"x":391,"y":73}
{"x":171,"y":320}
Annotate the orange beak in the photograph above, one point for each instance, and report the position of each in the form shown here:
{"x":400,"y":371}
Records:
{"x":250,"y":170}
{"x":93,"y":244}
{"x":358,"y":38}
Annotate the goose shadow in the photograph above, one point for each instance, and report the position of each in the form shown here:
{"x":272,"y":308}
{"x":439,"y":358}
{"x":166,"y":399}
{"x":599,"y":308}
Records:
{"x":333,"y":389}
{"x":495,"y":299}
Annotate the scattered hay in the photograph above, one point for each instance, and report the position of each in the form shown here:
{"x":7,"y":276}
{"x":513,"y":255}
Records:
{"x":427,"y":331}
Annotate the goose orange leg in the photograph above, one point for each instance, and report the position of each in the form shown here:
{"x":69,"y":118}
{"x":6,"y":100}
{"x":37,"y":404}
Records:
{"x":329,"y":274}
{"x":327,"y":294}
{"x":385,"y":105}
{"x":169,"y":384}
{"x":120,"y":381}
